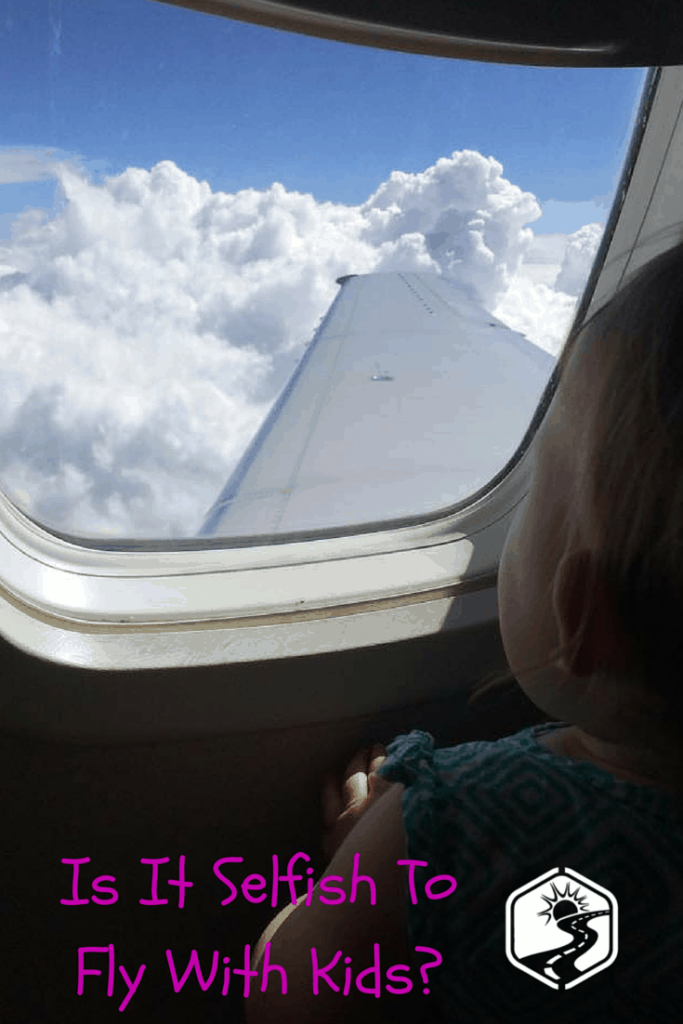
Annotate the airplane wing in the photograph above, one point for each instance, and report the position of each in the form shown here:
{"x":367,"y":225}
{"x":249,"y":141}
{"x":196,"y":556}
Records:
{"x":409,"y":399}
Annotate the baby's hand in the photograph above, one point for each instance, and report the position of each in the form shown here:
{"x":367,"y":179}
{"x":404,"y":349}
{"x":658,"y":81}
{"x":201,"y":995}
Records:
{"x":346,"y":802}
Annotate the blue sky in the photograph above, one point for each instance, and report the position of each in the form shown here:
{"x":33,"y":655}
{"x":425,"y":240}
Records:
{"x":121,"y":83}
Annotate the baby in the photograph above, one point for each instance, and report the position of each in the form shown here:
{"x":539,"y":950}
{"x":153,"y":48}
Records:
{"x":590,"y":591}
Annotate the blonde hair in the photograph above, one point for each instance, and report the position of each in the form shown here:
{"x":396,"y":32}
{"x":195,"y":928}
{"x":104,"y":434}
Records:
{"x":634,"y":474}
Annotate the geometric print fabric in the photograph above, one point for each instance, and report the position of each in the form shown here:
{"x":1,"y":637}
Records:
{"x":496,"y":815}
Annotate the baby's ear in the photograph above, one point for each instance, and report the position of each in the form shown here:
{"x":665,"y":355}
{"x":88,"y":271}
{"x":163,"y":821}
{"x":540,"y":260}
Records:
{"x":578,"y":591}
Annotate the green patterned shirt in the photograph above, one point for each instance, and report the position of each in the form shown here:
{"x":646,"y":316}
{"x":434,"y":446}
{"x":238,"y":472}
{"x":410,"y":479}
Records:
{"x":500,"y":815}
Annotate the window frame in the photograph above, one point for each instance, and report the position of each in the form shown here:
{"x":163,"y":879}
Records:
{"x":182,"y":604}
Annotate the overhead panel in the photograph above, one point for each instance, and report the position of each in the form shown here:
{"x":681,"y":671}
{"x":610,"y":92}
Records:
{"x":570,"y":33}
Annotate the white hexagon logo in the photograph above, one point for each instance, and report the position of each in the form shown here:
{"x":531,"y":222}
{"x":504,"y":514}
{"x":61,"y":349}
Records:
{"x":561,"y":928}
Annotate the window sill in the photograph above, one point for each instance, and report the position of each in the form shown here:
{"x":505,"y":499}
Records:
{"x":127,"y":610}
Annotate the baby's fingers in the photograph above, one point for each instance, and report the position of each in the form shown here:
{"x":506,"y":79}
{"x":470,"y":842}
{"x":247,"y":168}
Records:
{"x":358,"y":777}
{"x":355,"y":784}
{"x":378,"y":756}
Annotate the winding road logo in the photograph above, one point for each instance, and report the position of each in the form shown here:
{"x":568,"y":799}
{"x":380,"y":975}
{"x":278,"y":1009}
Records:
{"x":561,"y":928}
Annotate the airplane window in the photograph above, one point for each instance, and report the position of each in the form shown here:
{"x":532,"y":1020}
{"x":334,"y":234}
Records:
{"x":252,"y":281}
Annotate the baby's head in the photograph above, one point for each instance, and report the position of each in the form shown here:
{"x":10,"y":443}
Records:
{"x":591,"y":579}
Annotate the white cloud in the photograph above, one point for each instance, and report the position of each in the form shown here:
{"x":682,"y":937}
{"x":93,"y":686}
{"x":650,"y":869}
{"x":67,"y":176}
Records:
{"x":578,"y":258}
{"x":17,"y":165}
{"x":470,"y":219}
{"x":147,"y":328}
{"x":538,"y":311}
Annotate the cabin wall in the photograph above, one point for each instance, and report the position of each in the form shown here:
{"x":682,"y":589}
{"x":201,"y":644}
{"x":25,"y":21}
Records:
{"x":248,"y":794}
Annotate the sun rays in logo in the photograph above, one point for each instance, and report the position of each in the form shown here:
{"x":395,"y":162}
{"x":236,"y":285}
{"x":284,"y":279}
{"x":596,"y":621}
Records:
{"x":563,"y":904}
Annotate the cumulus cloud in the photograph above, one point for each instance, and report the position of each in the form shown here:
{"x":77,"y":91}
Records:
{"x":463,"y":220}
{"x":537,"y":311}
{"x":146,"y":330}
{"x":580,"y":252}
